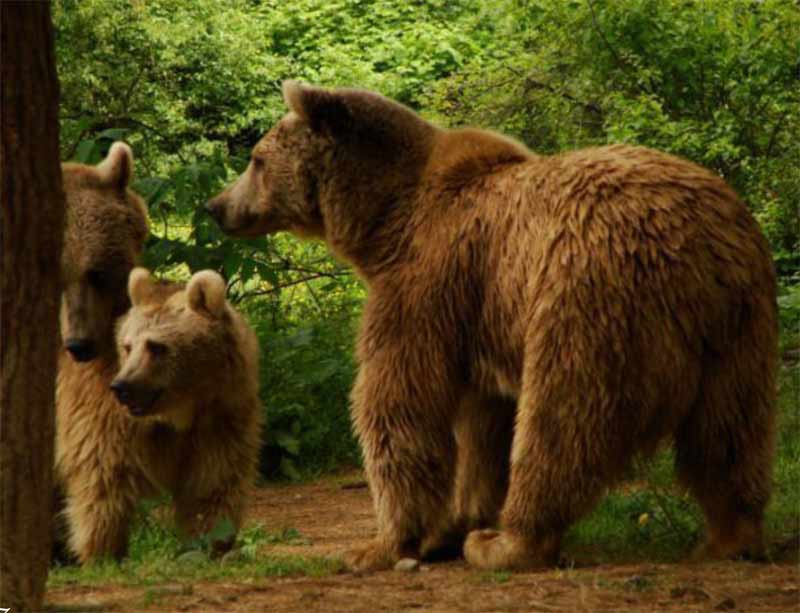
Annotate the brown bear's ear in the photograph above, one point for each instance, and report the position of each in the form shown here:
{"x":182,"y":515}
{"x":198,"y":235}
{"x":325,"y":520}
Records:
{"x":117,"y":169}
{"x":139,"y":285}
{"x":359,"y":117}
{"x":206,"y":293}
{"x":322,"y":109}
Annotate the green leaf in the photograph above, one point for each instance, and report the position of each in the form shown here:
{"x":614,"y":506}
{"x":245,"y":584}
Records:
{"x":288,"y":442}
{"x":87,"y":152}
{"x":289,"y":469}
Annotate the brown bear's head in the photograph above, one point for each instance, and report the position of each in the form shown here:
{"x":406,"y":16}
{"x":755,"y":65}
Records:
{"x":105,"y":230}
{"x":173,"y":345}
{"x":333,"y":166}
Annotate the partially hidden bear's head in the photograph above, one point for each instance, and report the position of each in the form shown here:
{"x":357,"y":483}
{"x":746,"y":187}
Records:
{"x":172,"y":344}
{"x":105,"y":230}
{"x":334,"y":147}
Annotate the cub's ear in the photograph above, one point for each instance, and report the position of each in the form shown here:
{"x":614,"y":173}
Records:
{"x":206,"y":293}
{"x":117,"y":169}
{"x":139,"y":285}
{"x":322,"y":109}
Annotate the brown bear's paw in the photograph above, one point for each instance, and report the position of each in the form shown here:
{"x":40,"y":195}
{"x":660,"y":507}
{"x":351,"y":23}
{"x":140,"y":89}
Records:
{"x":503,"y":550}
{"x":718,"y":550}
{"x":371,"y":557}
{"x":737,"y":538}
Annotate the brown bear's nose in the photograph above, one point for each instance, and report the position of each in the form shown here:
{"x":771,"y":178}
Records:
{"x":214,"y":208}
{"x":82,"y":349}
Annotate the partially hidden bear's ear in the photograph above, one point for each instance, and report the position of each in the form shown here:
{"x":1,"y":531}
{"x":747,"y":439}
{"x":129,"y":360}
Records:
{"x":117,"y":169}
{"x":139,"y":285}
{"x":322,"y":109}
{"x":206,"y":293}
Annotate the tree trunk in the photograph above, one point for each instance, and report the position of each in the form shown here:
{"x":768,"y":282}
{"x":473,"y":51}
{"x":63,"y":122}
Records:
{"x":32,"y":233}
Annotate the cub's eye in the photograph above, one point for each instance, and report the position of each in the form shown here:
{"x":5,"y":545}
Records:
{"x":98,"y":279}
{"x":156,"y":349}
{"x":126,"y":347}
{"x":258,"y":163}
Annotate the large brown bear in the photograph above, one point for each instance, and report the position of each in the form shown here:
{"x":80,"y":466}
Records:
{"x":603,"y":300}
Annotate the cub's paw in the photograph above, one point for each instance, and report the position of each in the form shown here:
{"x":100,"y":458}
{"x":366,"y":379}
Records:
{"x":371,"y":557}
{"x":503,"y":550}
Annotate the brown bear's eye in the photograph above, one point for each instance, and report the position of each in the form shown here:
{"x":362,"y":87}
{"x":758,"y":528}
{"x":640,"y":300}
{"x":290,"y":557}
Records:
{"x":127,"y":347}
{"x":258,"y":163}
{"x":97,"y":279}
{"x":155,"y":348}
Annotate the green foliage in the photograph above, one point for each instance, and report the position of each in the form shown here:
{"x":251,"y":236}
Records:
{"x":783,"y":517}
{"x":789,"y":306}
{"x":495,"y":577}
{"x":648,"y":522}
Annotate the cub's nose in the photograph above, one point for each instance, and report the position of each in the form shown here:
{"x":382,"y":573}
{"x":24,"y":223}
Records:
{"x":81,"y":349}
{"x":122,"y":390}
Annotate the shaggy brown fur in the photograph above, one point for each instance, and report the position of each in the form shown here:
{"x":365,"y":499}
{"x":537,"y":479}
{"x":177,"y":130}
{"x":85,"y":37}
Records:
{"x":186,"y":418}
{"x":609,"y":298}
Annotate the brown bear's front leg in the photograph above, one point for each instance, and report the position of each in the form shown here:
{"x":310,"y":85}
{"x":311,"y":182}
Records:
{"x":403,"y":402}
{"x":98,"y":524}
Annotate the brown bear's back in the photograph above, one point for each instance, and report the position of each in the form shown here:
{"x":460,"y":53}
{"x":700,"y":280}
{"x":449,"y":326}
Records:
{"x":651,"y":257}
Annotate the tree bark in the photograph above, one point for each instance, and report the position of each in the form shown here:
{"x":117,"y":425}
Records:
{"x":32,"y":234}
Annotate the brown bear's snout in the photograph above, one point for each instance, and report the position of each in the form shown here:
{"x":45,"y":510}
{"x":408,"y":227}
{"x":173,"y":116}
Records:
{"x":137,"y":398}
{"x":216,"y":208}
{"x":81,"y":349}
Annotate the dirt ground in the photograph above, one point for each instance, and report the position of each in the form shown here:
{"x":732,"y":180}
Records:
{"x":333,"y":517}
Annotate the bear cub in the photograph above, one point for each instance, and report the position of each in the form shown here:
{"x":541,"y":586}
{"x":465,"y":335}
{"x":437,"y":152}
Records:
{"x":186,"y":417}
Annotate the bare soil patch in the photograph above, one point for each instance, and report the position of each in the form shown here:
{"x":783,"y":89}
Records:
{"x":336,"y":513}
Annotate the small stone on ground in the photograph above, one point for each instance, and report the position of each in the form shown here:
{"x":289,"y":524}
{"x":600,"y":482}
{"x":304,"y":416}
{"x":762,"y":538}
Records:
{"x":407,"y":565}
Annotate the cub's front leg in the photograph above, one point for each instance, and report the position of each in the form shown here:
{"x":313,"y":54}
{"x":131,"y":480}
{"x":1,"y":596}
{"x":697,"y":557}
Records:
{"x":216,"y":491}
{"x":98,"y":515}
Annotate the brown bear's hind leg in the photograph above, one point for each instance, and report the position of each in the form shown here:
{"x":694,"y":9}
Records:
{"x":567,"y":448}
{"x":483,"y":431}
{"x":724,"y":451}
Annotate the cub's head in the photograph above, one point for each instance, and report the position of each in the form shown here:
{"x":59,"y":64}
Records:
{"x":339,"y":157}
{"x":105,"y":230}
{"x":175,"y":344}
